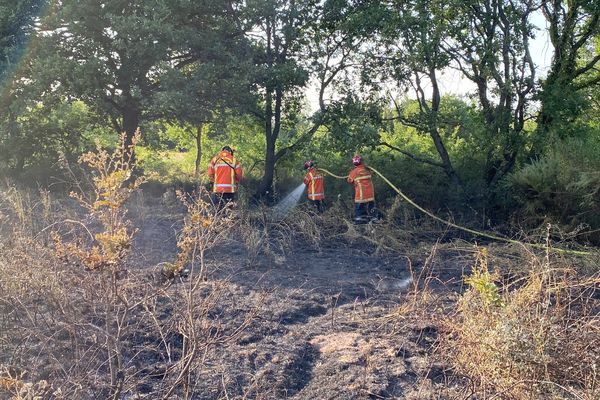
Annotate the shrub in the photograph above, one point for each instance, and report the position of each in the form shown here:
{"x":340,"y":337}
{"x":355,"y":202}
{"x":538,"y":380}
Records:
{"x":113,"y":186}
{"x":563,"y":186}
{"x":534,"y":338}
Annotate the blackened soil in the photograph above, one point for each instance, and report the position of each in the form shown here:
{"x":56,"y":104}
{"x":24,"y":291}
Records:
{"x":325,"y":325}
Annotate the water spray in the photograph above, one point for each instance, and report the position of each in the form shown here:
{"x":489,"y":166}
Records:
{"x":283,"y":208}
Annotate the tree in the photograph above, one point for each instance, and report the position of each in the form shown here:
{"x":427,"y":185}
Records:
{"x":489,"y":45}
{"x":49,"y":132}
{"x":114,"y":54}
{"x":16,"y":23}
{"x":295,"y":42}
{"x":573,"y":28}
{"x":487,"y":41}
{"x":418,"y":26}
{"x":213,"y":85}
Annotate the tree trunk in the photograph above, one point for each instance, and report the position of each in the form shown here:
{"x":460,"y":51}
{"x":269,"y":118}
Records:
{"x":433,"y":127}
{"x":198,"y":150}
{"x":131,"y":121}
{"x":445,"y":157}
{"x":272,"y":128}
{"x":265,"y":188}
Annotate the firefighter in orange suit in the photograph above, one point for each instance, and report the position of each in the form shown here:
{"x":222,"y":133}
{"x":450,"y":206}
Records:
{"x":364,"y":194}
{"x":314,"y":184}
{"x":225,"y":172}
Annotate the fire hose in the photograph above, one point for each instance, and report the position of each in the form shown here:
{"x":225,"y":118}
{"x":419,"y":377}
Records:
{"x":463,"y":228}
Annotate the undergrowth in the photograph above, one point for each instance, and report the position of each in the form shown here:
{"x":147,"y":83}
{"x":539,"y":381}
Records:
{"x":79,"y":320}
{"x":531,"y":337}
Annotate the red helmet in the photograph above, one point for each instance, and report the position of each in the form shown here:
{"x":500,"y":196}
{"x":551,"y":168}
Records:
{"x":308,"y":164}
{"x":357,"y":160}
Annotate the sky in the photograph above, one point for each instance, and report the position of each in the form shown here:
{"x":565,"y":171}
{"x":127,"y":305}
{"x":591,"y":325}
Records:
{"x":451,"y":81}
{"x":541,"y":52}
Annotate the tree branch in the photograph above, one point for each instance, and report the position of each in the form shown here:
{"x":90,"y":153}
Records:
{"x":412,"y":156}
{"x":588,"y":66}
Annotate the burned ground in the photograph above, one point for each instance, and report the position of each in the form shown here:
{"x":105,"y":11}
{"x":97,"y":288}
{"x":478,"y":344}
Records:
{"x":326,"y":326}
{"x":305,"y":308}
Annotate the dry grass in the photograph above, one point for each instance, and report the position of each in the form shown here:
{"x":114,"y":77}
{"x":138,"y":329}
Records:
{"x":265,"y":237}
{"x":76,"y":321}
{"x":536,"y":337}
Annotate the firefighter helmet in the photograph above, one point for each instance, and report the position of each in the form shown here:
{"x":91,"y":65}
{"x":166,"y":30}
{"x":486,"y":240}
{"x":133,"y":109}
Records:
{"x":308,"y":164}
{"x":227,"y":149}
{"x":357,"y":160}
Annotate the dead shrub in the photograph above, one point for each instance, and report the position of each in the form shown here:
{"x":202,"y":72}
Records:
{"x":536,"y":337}
{"x":307,"y":226}
{"x":112,"y":187}
{"x":420,"y":303}
{"x":262,"y":235}
{"x":38,"y":302}
{"x":192,"y":319}
{"x":204,"y":226}
{"x":20,"y":389}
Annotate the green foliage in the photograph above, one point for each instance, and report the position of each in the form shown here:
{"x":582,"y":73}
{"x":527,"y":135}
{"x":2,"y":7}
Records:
{"x":169,"y":150}
{"x":167,"y":166}
{"x":483,"y":282}
{"x":16,"y":23}
{"x":41,"y":133}
{"x":160,"y":135}
{"x":573,"y":30}
{"x":240,"y":72}
{"x":354,"y":124}
{"x":562,"y":185}
{"x":127,"y":61}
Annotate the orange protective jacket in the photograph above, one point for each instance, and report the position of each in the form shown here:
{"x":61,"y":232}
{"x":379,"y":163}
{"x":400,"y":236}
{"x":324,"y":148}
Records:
{"x":314,"y":182}
{"x":226,"y":172}
{"x":363,"y":184}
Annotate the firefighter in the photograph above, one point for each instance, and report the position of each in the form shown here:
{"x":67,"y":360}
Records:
{"x":225,"y":172}
{"x":314,"y":183}
{"x":364,"y":194}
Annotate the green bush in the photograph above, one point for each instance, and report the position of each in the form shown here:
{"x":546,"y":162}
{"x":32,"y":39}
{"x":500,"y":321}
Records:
{"x":563,"y":186}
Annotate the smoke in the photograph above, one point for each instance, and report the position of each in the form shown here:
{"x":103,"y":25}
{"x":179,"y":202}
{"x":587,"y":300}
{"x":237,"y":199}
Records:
{"x":403,"y":284}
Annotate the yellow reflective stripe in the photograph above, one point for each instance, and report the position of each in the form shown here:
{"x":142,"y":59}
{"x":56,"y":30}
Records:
{"x":358,"y":178}
{"x":360,"y":192}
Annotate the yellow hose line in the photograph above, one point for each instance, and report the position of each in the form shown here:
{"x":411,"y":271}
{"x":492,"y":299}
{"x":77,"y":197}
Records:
{"x":472,"y":231}
{"x":331,"y":173}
